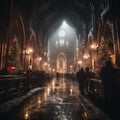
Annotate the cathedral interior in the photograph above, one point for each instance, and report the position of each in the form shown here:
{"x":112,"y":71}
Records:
{"x":60,"y":35}
{"x":43,"y":45}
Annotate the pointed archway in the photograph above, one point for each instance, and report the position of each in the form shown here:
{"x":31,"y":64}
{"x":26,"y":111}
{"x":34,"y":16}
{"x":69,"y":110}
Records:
{"x":61,"y":63}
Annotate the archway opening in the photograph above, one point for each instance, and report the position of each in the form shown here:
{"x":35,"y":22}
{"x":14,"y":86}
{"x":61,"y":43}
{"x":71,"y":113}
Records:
{"x":62,"y":40}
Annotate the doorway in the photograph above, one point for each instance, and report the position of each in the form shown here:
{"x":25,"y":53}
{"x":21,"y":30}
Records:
{"x":61,"y":63}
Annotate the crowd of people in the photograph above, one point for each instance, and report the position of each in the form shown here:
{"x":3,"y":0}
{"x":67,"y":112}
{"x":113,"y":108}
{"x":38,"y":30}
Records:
{"x":83,"y":77}
{"x":110,"y":79}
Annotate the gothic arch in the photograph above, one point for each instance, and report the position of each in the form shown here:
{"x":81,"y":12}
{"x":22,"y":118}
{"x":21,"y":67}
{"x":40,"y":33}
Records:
{"x":16,"y":42}
{"x":109,"y":39}
{"x":106,"y":40}
{"x":61,"y":63}
{"x":32,"y":42}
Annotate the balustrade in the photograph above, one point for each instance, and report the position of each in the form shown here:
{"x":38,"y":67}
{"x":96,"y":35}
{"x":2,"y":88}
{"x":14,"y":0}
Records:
{"x":16,"y":85}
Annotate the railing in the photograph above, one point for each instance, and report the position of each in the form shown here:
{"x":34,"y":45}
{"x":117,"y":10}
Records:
{"x":95,"y":87}
{"x":16,"y":85}
{"x":11,"y":86}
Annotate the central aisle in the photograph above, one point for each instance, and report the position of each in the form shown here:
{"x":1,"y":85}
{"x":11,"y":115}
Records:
{"x":60,"y":100}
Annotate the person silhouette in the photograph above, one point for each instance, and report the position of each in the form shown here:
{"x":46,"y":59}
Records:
{"x":88,"y":75}
{"x":108,"y":75}
{"x":81,"y":77}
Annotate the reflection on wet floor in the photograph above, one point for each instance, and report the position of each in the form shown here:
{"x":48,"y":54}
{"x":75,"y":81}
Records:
{"x":59,"y":101}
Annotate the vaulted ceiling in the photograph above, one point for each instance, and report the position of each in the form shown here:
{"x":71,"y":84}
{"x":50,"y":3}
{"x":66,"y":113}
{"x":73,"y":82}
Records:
{"x":49,"y":12}
{"x":47,"y":15}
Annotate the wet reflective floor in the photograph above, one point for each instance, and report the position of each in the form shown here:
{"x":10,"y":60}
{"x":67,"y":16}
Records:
{"x":59,"y":101}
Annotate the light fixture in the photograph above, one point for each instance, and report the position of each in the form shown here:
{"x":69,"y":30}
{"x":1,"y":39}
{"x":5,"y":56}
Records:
{"x":64,"y":22}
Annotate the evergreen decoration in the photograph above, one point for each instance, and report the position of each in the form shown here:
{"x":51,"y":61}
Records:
{"x":104,"y":53}
{"x":14,"y":54}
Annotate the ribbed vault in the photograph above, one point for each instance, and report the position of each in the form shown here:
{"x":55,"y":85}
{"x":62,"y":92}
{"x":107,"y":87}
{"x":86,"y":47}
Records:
{"x":50,"y":14}
{"x":46,"y":15}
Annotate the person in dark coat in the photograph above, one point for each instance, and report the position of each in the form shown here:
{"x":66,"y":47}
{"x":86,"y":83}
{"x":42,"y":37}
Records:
{"x":109,"y":75}
{"x":88,"y":76}
{"x":81,"y":77}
